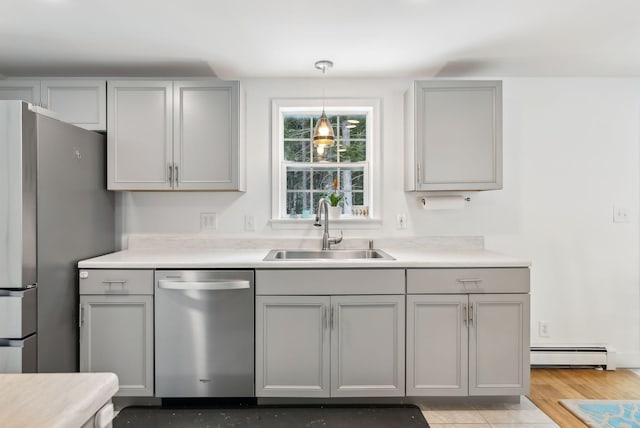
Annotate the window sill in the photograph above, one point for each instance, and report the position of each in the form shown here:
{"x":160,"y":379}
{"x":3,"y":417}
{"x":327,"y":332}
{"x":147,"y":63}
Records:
{"x":346,"y":223}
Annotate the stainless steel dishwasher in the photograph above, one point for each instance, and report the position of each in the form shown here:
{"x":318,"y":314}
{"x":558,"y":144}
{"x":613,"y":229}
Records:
{"x":204,"y":333}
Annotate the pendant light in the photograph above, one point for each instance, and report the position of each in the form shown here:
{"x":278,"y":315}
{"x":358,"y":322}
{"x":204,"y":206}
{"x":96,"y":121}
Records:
{"x":323,"y":135}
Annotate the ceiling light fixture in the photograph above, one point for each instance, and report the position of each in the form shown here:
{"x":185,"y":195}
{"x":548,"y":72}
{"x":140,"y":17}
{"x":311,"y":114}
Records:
{"x":323,"y":135}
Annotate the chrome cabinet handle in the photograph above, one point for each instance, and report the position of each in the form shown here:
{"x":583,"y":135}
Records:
{"x":177,"y":179}
{"x":471,"y":314}
{"x":464,"y":314}
{"x":170,"y":174}
{"x":325,"y":318}
{"x":465,"y":280}
{"x":81,"y":316}
{"x":331,"y":319}
{"x":204,"y":285}
{"x":115,"y":281}
{"x":418,"y":177}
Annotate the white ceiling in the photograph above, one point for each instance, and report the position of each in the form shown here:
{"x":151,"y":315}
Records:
{"x":235,"y":39}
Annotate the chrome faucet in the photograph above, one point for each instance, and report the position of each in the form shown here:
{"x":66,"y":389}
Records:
{"x":323,"y":203}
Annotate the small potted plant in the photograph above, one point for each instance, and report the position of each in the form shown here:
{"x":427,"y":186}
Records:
{"x":334,"y":198}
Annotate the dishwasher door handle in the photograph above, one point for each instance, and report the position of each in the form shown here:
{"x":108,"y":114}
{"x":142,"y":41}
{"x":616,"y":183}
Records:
{"x":203,"y":285}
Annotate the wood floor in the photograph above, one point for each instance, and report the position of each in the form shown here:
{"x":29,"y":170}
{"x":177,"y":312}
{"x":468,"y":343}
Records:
{"x":550,"y":385}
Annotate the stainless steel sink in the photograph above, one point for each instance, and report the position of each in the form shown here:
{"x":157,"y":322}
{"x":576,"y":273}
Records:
{"x":281,"y":255}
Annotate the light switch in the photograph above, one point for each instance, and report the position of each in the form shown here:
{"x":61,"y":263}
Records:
{"x":620,"y":214}
{"x":249,"y":223}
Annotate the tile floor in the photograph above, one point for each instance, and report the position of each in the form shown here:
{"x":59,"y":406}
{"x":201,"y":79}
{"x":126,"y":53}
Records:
{"x":507,"y":415}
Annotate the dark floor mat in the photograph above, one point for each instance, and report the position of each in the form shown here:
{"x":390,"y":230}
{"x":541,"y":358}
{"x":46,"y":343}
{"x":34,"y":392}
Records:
{"x":272,"y":417}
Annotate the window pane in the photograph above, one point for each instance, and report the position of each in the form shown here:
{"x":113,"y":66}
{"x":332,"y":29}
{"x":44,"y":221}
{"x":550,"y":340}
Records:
{"x":329,"y":154}
{"x":358,"y":198}
{"x":323,"y":179}
{"x":297,"y":126}
{"x":353,"y":151}
{"x":298,"y":179}
{"x":353,"y":126}
{"x":316,"y":198}
{"x":352,"y":179}
{"x":296,"y":151}
{"x":298,"y":201}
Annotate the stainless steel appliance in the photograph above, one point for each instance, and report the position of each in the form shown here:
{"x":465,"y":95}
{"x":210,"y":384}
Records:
{"x":54,"y":211}
{"x":204,"y":333}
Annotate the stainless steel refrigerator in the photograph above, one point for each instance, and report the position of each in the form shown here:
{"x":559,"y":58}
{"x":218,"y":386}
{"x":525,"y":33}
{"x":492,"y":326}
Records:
{"x":54,"y":211}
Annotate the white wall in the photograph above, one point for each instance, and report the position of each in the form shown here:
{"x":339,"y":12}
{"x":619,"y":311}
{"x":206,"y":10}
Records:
{"x":570,"y":154}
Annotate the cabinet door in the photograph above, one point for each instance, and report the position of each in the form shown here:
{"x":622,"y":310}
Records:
{"x":116,"y":335}
{"x":292,"y":346}
{"x":79,"y":101}
{"x":499,"y":344}
{"x":367,"y":346}
{"x":206,"y":135}
{"x":458,"y":135}
{"x":18,"y":89}
{"x":139,"y":135}
{"x":437,"y":345}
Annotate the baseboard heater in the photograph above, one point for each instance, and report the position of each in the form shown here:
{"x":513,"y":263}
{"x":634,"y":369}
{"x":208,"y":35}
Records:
{"x":574,"y":356}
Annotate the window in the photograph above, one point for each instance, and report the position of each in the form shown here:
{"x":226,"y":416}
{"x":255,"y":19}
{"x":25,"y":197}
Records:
{"x":303,"y":173}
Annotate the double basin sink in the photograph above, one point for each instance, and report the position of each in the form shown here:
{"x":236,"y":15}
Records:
{"x":284,"y":255}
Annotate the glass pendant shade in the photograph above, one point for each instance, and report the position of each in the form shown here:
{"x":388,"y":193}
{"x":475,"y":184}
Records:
{"x":323,"y":132}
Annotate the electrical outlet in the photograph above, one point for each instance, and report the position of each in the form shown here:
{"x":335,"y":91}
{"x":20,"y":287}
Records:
{"x":401,"y":221}
{"x":620,"y":214}
{"x":208,"y":221}
{"x":544,"y":328}
{"x":249,"y":223}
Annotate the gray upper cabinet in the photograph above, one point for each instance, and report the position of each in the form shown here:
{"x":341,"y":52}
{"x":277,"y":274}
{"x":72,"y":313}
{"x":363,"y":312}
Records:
{"x":205,"y":144}
{"x":20,"y":89}
{"x":453,"y":135}
{"x":139,"y":135}
{"x":165,"y":135}
{"x":78,"y":101}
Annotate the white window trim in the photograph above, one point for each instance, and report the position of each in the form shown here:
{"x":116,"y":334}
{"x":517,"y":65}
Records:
{"x":374,"y":150}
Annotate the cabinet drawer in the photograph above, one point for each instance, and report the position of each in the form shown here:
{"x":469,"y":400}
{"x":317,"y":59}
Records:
{"x":471,"y":280}
{"x":329,"y":281}
{"x":108,"y":281}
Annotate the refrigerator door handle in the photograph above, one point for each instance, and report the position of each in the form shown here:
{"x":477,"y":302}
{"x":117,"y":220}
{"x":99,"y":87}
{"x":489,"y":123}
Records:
{"x":203,"y":285}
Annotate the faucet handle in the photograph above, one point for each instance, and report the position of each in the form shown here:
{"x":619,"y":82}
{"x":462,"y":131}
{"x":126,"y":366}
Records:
{"x":371,"y":244}
{"x":336,"y":240}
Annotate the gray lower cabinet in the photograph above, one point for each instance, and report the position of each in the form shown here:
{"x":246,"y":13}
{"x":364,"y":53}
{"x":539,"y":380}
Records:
{"x":292,"y":346}
{"x":468,"y":331}
{"x":330,"y":346}
{"x":116,"y":327}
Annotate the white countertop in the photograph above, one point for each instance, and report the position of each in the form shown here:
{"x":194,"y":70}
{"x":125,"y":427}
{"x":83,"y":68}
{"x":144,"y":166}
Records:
{"x":51,"y":400}
{"x":198,"y":258}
